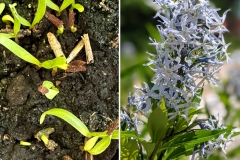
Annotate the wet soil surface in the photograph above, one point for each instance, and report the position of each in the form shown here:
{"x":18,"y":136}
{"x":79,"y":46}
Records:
{"x":91,"y":95}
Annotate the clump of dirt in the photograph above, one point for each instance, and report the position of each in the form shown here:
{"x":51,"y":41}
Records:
{"x":91,"y":95}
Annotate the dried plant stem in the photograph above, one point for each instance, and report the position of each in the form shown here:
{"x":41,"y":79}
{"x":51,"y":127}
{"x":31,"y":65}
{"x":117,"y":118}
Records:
{"x":75,"y":51}
{"x":88,"y":49}
{"x":55,"y":45}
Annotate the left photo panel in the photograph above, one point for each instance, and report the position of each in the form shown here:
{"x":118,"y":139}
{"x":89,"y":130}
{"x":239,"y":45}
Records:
{"x":59,"y":80}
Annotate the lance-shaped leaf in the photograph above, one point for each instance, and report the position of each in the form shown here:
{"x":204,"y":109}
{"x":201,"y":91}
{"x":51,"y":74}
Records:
{"x":18,"y":50}
{"x":41,"y":9}
{"x":68,"y":117}
{"x":100,"y":146}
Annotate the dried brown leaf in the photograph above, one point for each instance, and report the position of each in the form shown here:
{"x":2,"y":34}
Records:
{"x":76,"y":66}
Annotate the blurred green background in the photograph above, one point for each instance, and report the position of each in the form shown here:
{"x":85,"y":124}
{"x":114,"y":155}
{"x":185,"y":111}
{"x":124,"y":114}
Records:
{"x":137,"y":25}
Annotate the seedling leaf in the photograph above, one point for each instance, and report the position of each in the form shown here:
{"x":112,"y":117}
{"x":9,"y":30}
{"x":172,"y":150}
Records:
{"x":68,"y":117}
{"x":90,"y":143}
{"x":7,"y":19}
{"x":2,"y":6}
{"x":22,"y":20}
{"x":100,"y":146}
{"x":65,"y":4}
{"x":59,"y":62}
{"x":41,"y":9}
{"x":79,"y":7}
{"x":52,"y":5}
{"x":18,"y":50}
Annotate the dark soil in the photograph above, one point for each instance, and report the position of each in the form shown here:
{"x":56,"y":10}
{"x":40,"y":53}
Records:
{"x":92,"y":95}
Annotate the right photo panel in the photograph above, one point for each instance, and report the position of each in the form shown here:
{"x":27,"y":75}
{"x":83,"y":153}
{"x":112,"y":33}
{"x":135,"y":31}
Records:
{"x":179,"y":79}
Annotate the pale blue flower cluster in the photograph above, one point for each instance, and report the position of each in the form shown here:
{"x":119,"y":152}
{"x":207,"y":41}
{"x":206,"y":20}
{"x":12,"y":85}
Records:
{"x":208,"y":148}
{"x":191,"y":53}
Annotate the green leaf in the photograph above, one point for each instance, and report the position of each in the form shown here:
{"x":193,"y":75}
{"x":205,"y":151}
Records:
{"x":180,"y":151}
{"x":90,"y":143}
{"x":148,"y":146}
{"x":18,"y":50}
{"x":59,"y":62}
{"x":52,"y":90}
{"x":65,"y":4}
{"x":7,"y":19}
{"x":2,"y":7}
{"x":52,"y":5}
{"x":68,"y":117}
{"x":41,"y":9}
{"x":115,"y":134}
{"x":157,"y":123}
{"x":22,"y":20}
{"x":129,"y":149}
{"x":100,"y":146}
{"x":16,"y":27}
{"x":79,"y":7}
{"x":194,"y":137}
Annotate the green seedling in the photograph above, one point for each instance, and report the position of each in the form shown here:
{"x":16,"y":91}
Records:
{"x":18,"y":20}
{"x":2,"y":7}
{"x":41,"y":9}
{"x":7,"y":19}
{"x":93,"y":146}
{"x":48,"y":89}
{"x":58,"y":62}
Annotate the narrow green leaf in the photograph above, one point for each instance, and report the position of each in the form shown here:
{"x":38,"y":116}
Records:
{"x":18,"y":50}
{"x":99,"y":134}
{"x":194,"y":137}
{"x":52,"y":5}
{"x":22,"y":20}
{"x":129,"y":134}
{"x":65,"y":4}
{"x":41,"y":9}
{"x":16,"y":27}
{"x":178,"y":152}
{"x":100,"y":146}
{"x":68,"y":117}
{"x":90,"y":143}
{"x":79,"y":7}
{"x":2,"y":6}
{"x":157,"y":123}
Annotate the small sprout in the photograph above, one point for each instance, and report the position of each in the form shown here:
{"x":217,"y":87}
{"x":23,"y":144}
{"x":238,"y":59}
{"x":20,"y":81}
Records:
{"x":46,"y":132}
{"x":52,"y":5}
{"x":76,"y":66}
{"x":7,"y":19}
{"x":18,"y":50}
{"x":48,"y":89}
{"x":57,"y":22}
{"x":88,"y":49}
{"x":71,"y":19}
{"x":45,"y":140}
{"x":64,"y":5}
{"x":2,"y":7}
{"x":50,"y":144}
{"x":68,"y":117}
{"x":41,"y":9}
{"x":100,"y":146}
{"x":55,"y":45}
{"x":77,"y":6}
{"x":18,"y":20}
{"x":90,"y":143}
{"x":75,"y":51}
{"x":23,"y":143}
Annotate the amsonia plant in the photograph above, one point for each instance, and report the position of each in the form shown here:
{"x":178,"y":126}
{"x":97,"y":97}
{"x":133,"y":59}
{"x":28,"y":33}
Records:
{"x":191,"y":53}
